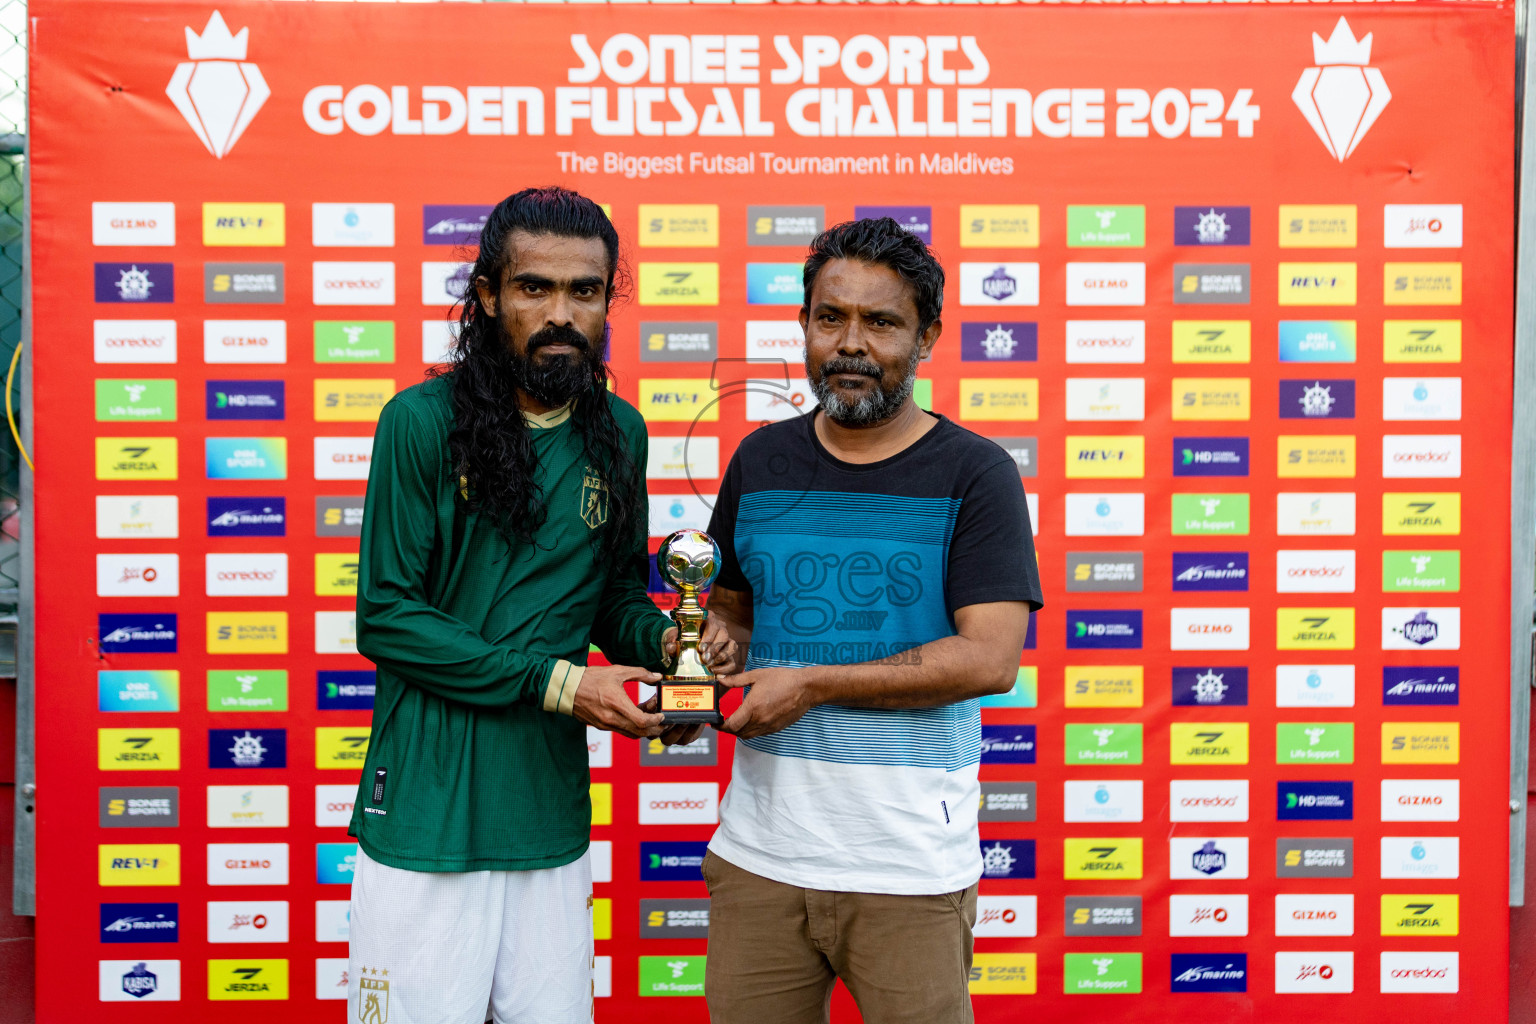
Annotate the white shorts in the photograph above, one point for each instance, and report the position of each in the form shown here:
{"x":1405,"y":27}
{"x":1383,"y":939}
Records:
{"x":465,"y":947}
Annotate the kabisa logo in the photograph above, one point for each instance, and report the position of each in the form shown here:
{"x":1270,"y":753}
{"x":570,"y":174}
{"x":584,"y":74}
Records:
{"x":1007,"y":744}
{"x":1419,"y":629}
{"x":139,"y":981}
{"x":216,"y":89}
{"x":1208,"y":859}
{"x":1342,"y":96}
{"x":999,"y":285}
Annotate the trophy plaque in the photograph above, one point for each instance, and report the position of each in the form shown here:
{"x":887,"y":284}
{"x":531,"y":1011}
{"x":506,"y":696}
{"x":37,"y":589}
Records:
{"x":688,"y":561}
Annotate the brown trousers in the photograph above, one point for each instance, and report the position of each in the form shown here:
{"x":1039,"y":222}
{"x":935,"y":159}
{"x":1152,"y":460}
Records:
{"x":776,"y":950}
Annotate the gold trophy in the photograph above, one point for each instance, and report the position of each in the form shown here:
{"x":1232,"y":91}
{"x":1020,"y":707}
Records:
{"x":688,"y":561}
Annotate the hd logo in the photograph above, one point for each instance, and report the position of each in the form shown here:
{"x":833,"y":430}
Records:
{"x":247,"y":979}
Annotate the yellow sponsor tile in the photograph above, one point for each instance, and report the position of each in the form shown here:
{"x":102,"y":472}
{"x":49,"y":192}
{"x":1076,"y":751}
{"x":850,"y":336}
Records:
{"x":248,"y":979}
{"x":679,"y":400}
{"x":1013,"y":974}
{"x":1105,"y":686}
{"x":349,"y":400}
{"x":259,"y":224}
{"x":138,"y":864}
{"x":1421,"y":341}
{"x":1421,"y":284}
{"x":336,"y":575}
{"x":679,"y":226}
{"x":1420,"y":742}
{"x":1318,"y":227}
{"x":1208,"y":743}
{"x":1108,"y":857}
{"x":1212,"y":398}
{"x":679,"y":284}
{"x":138,"y":750}
{"x":1425,"y":513}
{"x":135,"y":458}
{"x":1212,"y":341}
{"x":999,"y":398}
{"x":1317,"y":284}
{"x":984,"y":226}
{"x":1315,"y":455}
{"x":602,"y":803}
{"x":602,"y":918}
{"x":1434,"y":914}
{"x":247,"y":632}
{"x":1106,"y":457}
{"x":1315,"y":629}
{"x":341,"y":746}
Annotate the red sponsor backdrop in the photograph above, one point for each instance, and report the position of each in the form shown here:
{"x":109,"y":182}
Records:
{"x":1215,"y":88}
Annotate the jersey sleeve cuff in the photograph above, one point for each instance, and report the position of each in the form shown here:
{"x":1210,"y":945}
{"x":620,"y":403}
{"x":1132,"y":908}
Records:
{"x":560,"y":692}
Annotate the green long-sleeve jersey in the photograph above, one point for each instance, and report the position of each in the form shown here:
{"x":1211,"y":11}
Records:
{"x":471,"y":767}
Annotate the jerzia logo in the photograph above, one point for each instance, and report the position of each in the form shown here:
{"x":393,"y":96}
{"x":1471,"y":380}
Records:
{"x":216,"y":90}
{"x":1341,"y":97}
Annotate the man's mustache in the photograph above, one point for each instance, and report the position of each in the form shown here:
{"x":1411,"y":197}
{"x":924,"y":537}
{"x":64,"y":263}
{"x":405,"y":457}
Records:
{"x":559,"y":336}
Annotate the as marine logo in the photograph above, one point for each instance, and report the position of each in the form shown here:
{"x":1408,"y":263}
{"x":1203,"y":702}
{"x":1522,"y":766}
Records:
{"x":594,"y":499}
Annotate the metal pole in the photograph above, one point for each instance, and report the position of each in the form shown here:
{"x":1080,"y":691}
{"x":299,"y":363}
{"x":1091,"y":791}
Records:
{"x":1522,"y":526}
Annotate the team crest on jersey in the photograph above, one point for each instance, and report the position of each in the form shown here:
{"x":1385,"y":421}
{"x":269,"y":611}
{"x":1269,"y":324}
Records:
{"x":373,"y":996}
{"x":594,"y":499}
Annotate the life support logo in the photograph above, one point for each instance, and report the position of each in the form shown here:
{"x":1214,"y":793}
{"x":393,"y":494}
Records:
{"x":216,"y":89}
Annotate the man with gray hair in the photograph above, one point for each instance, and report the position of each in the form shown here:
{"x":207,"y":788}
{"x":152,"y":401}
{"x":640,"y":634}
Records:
{"x":878,"y":571}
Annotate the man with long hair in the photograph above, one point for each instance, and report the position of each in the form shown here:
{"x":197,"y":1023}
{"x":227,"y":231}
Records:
{"x":504,"y":530}
{"x":878,"y":571}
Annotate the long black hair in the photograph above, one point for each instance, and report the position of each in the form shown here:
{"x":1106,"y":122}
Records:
{"x":490,"y":447}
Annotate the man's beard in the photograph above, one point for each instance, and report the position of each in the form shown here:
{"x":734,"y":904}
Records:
{"x":549,"y":378}
{"x":871,"y":407}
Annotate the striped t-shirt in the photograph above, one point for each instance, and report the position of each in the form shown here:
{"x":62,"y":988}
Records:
{"x":849,"y":563}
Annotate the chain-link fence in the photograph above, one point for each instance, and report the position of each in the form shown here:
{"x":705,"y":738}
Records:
{"x":13,"y":127}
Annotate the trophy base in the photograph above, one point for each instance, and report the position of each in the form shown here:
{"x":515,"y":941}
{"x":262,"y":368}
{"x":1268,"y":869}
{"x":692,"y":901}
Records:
{"x":690,"y":701}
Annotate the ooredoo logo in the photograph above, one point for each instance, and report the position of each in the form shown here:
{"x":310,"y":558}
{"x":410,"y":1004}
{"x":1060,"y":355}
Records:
{"x":217,"y":90}
{"x":679,"y":803}
{"x":1208,"y":800}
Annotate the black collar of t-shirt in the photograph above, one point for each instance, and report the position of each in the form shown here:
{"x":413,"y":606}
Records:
{"x":866,"y":467}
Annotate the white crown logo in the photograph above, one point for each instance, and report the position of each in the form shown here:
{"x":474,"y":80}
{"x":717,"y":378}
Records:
{"x":217,"y":91}
{"x":1342,"y":96}
{"x":1339,"y":48}
{"x":217,"y":44}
